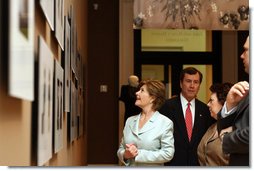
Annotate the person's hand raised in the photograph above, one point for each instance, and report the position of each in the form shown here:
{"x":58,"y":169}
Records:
{"x":237,"y":92}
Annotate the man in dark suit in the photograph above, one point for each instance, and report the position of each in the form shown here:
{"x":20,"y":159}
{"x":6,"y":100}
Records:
{"x":235,"y":135}
{"x":128,"y":96}
{"x":186,"y":143}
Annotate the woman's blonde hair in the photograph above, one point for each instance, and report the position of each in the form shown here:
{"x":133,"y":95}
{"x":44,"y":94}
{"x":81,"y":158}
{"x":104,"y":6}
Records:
{"x":157,"y":90}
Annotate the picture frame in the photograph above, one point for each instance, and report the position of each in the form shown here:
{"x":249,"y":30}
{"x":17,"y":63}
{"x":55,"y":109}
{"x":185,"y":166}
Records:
{"x":73,"y":39}
{"x":58,"y":107}
{"x":48,"y":8}
{"x":73,"y":113}
{"x":59,"y":22}
{"x":80,"y":113}
{"x":78,"y":66}
{"x":45,"y":103}
{"x":21,"y":49}
{"x":67,"y":66}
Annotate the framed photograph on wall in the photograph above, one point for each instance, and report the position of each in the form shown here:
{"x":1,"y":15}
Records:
{"x":73,"y":39}
{"x":59,"y":22}
{"x":80,"y":113}
{"x":48,"y":10}
{"x":73,"y":113}
{"x":21,"y":49}
{"x":58,"y":107}
{"x":45,"y":103}
{"x":67,"y":66}
{"x":78,"y":65}
{"x":75,"y":50}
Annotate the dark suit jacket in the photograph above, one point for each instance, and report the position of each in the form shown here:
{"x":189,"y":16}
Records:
{"x":128,"y":96}
{"x":236,"y":143}
{"x":185,"y":151}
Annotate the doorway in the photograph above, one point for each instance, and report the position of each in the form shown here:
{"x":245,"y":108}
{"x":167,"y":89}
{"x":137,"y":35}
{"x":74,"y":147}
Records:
{"x":166,"y":65}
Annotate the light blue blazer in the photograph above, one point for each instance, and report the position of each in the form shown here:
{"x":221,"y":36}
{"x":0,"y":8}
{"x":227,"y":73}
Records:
{"x":155,"y":141}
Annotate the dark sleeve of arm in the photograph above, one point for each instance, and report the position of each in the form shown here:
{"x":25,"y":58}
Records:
{"x":123,"y":94}
{"x":225,"y":122}
{"x":237,"y":141}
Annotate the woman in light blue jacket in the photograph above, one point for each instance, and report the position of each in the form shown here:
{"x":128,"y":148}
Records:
{"x":147,"y":137}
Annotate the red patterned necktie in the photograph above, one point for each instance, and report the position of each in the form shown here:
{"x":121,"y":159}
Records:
{"x":188,"y":121}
